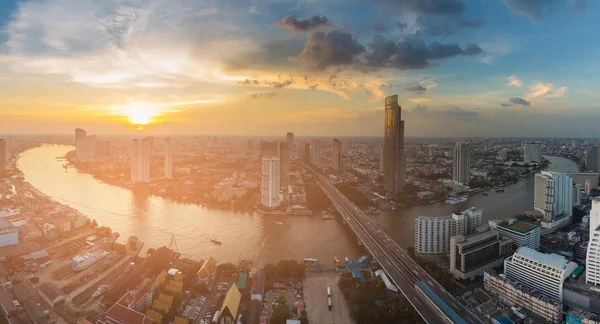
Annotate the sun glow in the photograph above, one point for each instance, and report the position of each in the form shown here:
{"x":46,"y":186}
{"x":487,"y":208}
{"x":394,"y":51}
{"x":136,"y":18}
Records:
{"x":139,"y":113}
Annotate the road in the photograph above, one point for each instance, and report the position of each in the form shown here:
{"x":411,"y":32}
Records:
{"x":397,"y":264}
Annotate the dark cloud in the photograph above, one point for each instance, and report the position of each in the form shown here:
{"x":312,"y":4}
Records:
{"x":303,"y":25}
{"x":266,"y":95}
{"x":418,"y":88}
{"x":280,"y":84}
{"x":248,"y":81}
{"x":518,"y":101}
{"x":506,"y":105}
{"x":412,"y":54}
{"x":272,"y":54}
{"x":336,"y":48}
{"x":533,"y":9}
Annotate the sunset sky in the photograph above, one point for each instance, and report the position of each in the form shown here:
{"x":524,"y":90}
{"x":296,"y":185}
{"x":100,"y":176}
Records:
{"x":314,"y":67}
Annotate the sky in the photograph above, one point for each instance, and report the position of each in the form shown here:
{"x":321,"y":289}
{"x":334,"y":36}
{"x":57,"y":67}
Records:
{"x":314,"y":67}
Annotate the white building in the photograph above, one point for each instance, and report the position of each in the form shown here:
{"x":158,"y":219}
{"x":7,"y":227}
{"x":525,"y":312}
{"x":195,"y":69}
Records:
{"x":533,"y":152}
{"x":140,"y":160}
{"x":516,"y":295}
{"x":316,"y":151}
{"x":522,"y":233}
{"x":168,"y":158}
{"x":269,"y":188}
{"x":461,"y":163}
{"x":432,"y":234}
{"x":467,"y":221}
{"x":545,"y":273}
{"x":9,"y":235}
{"x":592,"y":270}
{"x":553,"y":197}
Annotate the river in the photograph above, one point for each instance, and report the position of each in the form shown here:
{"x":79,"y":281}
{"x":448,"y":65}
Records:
{"x":245,"y":235}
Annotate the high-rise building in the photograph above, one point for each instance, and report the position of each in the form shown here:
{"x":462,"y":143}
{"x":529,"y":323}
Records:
{"x":316,"y":151}
{"x":168,"y":158}
{"x":394,"y":160}
{"x":381,"y":167}
{"x":471,"y":255}
{"x":140,"y":160}
{"x":522,"y":233}
{"x":591,"y":159}
{"x":269,"y":187}
{"x":465,"y":223}
{"x":533,"y":152}
{"x":301,"y":149}
{"x":432,"y":234}
{"x":283,"y":153}
{"x":336,"y":155}
{"x":289,"y":139}
{"x":545,"y":273}
{"x":576,"y":194}
{"x":80,"y":134}
{"x":553,"y":197}
{"x":592,"y":269}
{"x":85,"y":149}
{"x":2,"y":156}
{"x":461,"y":166}
{"x":588,"y":187}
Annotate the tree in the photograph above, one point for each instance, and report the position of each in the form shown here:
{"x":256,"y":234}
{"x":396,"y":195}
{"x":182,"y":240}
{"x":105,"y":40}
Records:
{"x":304,"y":317}
{"x":281,"y":314}
{"x":226,"y":269}
{"x":270,"y":271}
{"x":283,"y":268}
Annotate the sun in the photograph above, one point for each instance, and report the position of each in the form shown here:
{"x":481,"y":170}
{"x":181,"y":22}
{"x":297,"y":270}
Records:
{"x":138,"y":113}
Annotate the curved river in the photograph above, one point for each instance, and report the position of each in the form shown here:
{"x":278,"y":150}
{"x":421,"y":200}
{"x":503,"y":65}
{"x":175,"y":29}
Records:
{"x":245,"y":235}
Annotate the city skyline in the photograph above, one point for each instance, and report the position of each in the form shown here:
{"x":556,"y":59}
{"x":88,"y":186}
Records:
{"x":476,"y":68}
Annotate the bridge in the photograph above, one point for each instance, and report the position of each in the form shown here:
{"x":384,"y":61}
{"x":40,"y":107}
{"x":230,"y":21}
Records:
{"x":433,"y":303}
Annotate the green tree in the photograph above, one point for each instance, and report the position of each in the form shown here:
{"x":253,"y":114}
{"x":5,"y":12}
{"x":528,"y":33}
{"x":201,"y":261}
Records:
{"x":226,"y":269}
{"x":281,"y":314}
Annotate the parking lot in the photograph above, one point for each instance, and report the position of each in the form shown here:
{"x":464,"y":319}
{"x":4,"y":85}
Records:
{"x":213,"y":301}
{"x":315,"y":296}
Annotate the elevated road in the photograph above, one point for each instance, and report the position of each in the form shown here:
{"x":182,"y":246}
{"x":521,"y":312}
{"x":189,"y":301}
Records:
{"x":397,"y":264}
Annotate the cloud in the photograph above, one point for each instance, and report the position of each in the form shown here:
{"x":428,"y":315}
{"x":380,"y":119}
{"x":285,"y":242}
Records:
{"x":303,"y":25}
{"x":537,"y":9}
{"x":514,"y":81}
{"x":260,"y":95}
{"x":323,"y":50}
{"x":433,"y":7}
{"x":558,"y":93}
{"x":539,"y":90}
{"x":429,"y":83}
{"x":517,"y":101}
{"x":280,"y":84}
{"x":248,"y":81}
{"x":418,"y":88}
{"x":412,"y":53}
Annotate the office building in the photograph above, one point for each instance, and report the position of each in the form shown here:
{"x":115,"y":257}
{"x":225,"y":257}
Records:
{"x":461,"y":163}
{"x":9,"y":235}
{"x":465,"y":223}
{"x":516,"y":295}
{"x":289,"y":139}
{"x":592,"y":270}
{"x":522,"y":233}
{"x":545,"y":273}
{"x":587,"y":187}
{"x":591,"y":159}
{"x":80,"y":134}
{"x":270,"y":182}
{"x":280,"y":150}
{"x":533,"y":152}
{"x":316,"y":151}
{"x":3,"y":157}
{"x":168,"y":158}
{"x":336,"y":155}
{"x":394,"y":160}
{"x":432,"y":235}
{"x":140,"y":160}
{"x":553,"y":198}
{"x":471,"y":255}
{"x":576,"y":195}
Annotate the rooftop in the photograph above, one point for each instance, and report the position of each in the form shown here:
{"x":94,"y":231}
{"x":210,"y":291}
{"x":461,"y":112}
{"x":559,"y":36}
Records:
{"x":552,"y":260}
{"x":519,"y":226}
{"x":232,"y":301}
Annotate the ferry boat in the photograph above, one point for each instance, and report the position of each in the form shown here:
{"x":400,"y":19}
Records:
{"x":309,"y":260}
{"x":216,"y":241}
{"x":456,"y":200}
{"x":82,"y":262}
{"x":100,"y":291}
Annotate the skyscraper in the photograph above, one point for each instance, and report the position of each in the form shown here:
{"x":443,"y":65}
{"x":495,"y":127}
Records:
{"x":140,"y":160}
{"x":553,"y":196}
{"x":591,"y":159}
{"x":80,"y":134}
{"x":269,"y":185}
{"x":532,"y":152}
{"x":2,"y":156}
{"x":316,"y":151}
{"x":289,"y":139}
{"x":394,"y":161}
{"x":592,"y":270}
{"x":283,"y":153}
{"x":461,"y":166}
{"x":168,"y":158}
{"x":301,"y":150}
{"x":336,"y":155}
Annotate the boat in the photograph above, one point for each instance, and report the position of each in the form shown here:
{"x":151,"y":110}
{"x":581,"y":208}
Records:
{"x":327,"y":216}
{"x":310,"y":260}
{"x":347,"y":260}
{"x":82,"y":262}
{"x":336,"y":260}
{"x":214,"y":240}
{"x":278,"y":223}
{"x":500,"y":190}
{"x":456,"y":200}
{"x":100,"y":291}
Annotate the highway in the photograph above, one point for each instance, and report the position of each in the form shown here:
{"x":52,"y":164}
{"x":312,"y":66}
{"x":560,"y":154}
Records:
{"x":397,"y":264}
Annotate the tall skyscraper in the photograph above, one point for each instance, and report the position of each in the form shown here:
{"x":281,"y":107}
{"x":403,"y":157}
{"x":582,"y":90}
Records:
{"x":336,"y":155}
{"x":316,"y":151}
{"x":80,"y":134}
{"x":553,"y":196}
{"x":85,"y":149}
{"x":269,"y":185}
{"x":289,"y":139}
{"x":283,"y":153}
{"x":394,"y":160}
{"x":592,"y":270}
{"x":533,"y":152}
{"x":381,"y":159}
{"x":140,"y":160}
{"x":2,"y":156}
{"x":591,"y":159}
{"x":168,"y":158}
{"x":461,"y":166}
{"x":301,"y":150}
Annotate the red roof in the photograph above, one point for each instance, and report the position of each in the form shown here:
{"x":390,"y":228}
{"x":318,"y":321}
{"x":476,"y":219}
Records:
{"x":127,"y":315}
